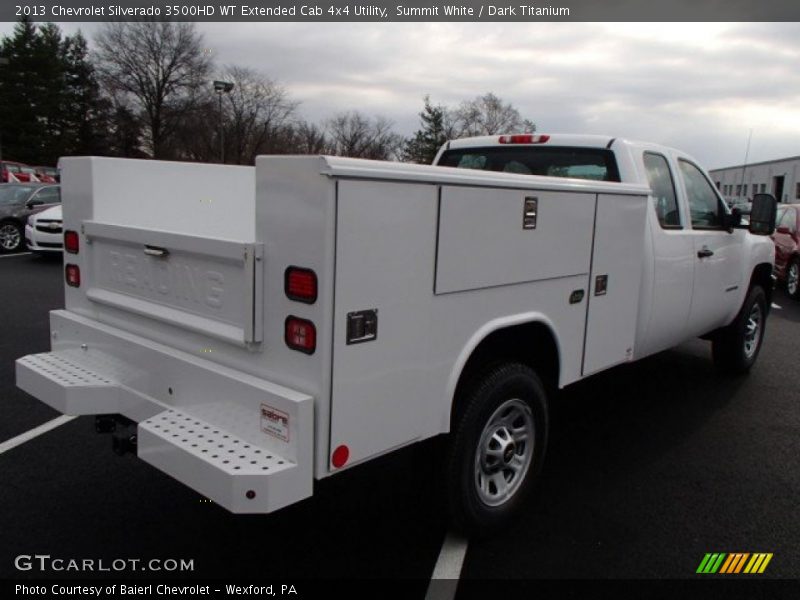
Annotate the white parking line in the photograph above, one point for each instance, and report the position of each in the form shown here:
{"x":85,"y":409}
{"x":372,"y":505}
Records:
{"x":29,"y":435}
{"x":778,"y":306}
{"x":15,"y":255}
{"x":447,"y":571}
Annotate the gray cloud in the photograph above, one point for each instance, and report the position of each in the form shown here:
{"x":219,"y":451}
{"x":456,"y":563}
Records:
{"x":697,"y":86}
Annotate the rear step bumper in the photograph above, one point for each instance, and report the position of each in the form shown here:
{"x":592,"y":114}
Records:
{"x":243,"y":442}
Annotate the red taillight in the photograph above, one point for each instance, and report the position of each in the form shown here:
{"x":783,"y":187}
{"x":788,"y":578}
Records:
{"x":73,"y":275}
{"x":71,"y":241}
{"x":300,"y":334}
{"x":523,"y":138}
{"x":300,"y":284}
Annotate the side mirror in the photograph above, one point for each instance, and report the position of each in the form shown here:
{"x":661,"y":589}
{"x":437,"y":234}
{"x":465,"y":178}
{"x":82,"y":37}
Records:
{"x":32,"y":203}
{"x":763,"y":214}
{"x":782,"y":229}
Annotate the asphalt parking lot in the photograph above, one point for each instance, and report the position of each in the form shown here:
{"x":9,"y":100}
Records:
{"x":650,"y":466}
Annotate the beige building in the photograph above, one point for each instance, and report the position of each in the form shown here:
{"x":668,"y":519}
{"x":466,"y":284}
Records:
{"x":779,"y":177}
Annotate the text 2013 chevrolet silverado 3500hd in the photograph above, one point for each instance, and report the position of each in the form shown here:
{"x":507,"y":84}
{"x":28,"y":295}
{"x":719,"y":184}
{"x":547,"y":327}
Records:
{"x":265,"y":327}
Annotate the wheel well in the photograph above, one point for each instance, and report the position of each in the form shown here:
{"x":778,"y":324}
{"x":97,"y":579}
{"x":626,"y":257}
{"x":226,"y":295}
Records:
{"x":762,"y":276}
{"x":13,"y":221}
{"x":531,"y":344}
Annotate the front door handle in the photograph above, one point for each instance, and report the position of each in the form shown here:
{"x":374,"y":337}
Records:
{"x":705,"y":252}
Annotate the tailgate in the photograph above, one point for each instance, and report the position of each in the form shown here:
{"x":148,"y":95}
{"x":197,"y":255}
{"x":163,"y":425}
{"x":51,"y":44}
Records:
{"x":207,"y":285}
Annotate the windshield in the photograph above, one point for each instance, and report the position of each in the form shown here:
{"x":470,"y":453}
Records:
{"x":581,"y":163}
{"x":14,"y":194}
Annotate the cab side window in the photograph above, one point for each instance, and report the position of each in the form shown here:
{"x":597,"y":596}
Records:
{"x":662,"y":185}
{"x":705,"y":206}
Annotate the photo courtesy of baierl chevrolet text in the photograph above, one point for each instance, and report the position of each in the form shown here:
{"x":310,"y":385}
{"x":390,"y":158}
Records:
{"x":422,"y":300}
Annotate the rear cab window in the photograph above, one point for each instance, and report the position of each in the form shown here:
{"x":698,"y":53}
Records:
{"x":596,"y":164}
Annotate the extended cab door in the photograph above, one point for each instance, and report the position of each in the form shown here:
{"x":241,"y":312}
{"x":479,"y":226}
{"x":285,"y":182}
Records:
{"x":718,"y":281}
{"x":673,"y":258}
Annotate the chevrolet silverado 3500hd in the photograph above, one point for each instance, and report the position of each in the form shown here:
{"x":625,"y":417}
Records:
{"x":267,"y":327}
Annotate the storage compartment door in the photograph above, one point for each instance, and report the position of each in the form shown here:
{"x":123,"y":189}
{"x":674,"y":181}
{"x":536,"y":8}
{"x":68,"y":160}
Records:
{"x":617,"y":262}
{"x":494,"y":237}
{"x":385,"y":244}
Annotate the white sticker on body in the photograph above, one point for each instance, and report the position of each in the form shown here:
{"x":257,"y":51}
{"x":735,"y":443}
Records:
{"x":275,"y":422}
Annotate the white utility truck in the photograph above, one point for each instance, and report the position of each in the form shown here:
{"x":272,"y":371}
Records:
{"x":254,"y":329}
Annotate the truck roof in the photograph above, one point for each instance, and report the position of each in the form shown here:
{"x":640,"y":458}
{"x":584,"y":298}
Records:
{"x":578,"y":140}
{"x":554,"y":139}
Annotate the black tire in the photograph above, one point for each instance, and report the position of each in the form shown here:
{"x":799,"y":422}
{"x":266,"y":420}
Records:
{"x":12,"y":237}
{"x":732,"y":347}
{"x":475,"y":503}
{"x":793,"y":278}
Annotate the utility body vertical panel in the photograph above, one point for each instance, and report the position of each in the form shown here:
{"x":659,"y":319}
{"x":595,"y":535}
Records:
{"x":385,"y":251}
{"x":617,"y":263}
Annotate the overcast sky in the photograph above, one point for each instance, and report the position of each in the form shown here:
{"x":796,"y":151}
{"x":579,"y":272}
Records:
{"x":697,"y":86}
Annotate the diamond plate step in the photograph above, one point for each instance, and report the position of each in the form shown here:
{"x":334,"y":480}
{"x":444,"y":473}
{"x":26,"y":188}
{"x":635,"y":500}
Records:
{"x":241,"y":476}
{"x":65,"y":383}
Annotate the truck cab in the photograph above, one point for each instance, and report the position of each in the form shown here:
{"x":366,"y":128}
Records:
{"x":697,"y":269}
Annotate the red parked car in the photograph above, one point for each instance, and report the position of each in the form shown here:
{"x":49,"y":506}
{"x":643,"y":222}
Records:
{"x":47,"y":174}
{"x":8,"y":168}
{"x":21,"y":172}
{"x":787,"y":247}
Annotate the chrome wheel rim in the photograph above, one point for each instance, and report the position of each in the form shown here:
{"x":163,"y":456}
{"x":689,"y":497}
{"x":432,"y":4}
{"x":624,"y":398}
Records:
{"x":9,"y":237}
{"x":505,"y":452}
{"x":792,"y":278}
{"x":752,"y":334}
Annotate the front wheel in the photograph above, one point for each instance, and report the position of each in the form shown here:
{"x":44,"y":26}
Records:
{"x":11,"y":236}
{"x":793,"y":278}
{"x":735,"y":348}
{"x":497,"y":448}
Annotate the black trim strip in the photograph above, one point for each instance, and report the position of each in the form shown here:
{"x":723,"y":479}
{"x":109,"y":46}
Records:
{"x":436,"y":248}
{"x":589,"y":286}
{"x":328,"y":469}
{"x":499,"y":285}
{"x":526,"y":189}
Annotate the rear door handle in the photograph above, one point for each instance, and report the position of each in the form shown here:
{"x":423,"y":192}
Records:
{"x":705,"y":252}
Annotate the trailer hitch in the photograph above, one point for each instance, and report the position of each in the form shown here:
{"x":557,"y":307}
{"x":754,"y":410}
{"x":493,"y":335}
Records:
{"x":122,"y":444}
{"x":122,"y":430}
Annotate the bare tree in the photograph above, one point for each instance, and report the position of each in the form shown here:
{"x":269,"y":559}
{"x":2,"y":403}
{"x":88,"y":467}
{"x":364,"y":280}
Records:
{"x":353,"y":134}
{"x":488,"y":115}
{"x":256,"y":112}
{"x":303,"y":137}
{"x":159,"y":68}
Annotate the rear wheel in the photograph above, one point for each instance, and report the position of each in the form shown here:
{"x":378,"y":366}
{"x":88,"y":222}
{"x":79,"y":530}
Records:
{"x":735,"y":348}
{"x":11,"y":236}
{"x":793,"y":278}
{"x":496,"y":449}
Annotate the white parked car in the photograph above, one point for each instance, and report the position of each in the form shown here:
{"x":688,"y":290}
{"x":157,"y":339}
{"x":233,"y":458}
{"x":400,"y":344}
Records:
{"x":43,"y":231}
